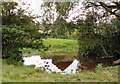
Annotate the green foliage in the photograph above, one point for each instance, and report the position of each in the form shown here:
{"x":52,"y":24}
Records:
{"x":85,"y":50}
{"x":91,"y":50}
{"x":112,"y":41}
{"x":89,"y":41}
{"x":19,"y":31}
{"x":60,"y":28}
{"x":99,"y":67}
{"x":75,"y":33}
{"x":98,"y":39}
{"x":63,"y":8}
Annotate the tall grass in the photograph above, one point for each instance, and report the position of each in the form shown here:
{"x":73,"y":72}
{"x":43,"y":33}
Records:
{"x":20,"y":73}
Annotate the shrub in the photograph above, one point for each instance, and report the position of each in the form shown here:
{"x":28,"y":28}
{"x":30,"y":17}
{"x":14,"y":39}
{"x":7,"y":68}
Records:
{"x":18,"y":31}
{"x":99,"y":67}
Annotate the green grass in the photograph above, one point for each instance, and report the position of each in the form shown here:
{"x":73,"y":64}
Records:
{"x":59,"y":47}
{"x":0,"y":70}
{"x":19,"y":73}
{"x":60,"y":44}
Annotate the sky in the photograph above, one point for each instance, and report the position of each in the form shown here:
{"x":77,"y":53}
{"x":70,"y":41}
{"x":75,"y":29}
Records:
{"x":36,"y":9}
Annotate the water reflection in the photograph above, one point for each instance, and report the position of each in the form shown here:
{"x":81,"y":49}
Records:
{"x":49,"y":66}
{"x":73,"y":67}
{"x":65,"y":64}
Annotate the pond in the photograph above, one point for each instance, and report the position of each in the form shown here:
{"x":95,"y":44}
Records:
{"x":62,"y":64}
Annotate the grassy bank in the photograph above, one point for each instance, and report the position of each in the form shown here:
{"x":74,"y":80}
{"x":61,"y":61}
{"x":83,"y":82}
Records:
{"x":58,"y":47}
{"x":19,"y":73}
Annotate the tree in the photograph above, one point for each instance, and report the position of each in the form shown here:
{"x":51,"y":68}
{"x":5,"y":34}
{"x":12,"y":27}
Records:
{"x":19,"y":31}
{"x":109,"y":8}
{"x":98,"y":39}
{"x":60,"y":28}
{"x":89,"y":40}
{"x":112,"y":29}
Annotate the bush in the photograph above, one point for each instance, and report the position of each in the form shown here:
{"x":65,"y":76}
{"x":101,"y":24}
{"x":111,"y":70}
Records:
{"x":99,"y":67}
{"x":18,"y":31}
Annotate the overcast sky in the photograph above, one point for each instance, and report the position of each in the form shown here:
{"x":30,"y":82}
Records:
{"x":35,"y":8}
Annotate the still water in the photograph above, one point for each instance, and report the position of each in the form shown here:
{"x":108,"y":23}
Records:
{"x":65,"y":65}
